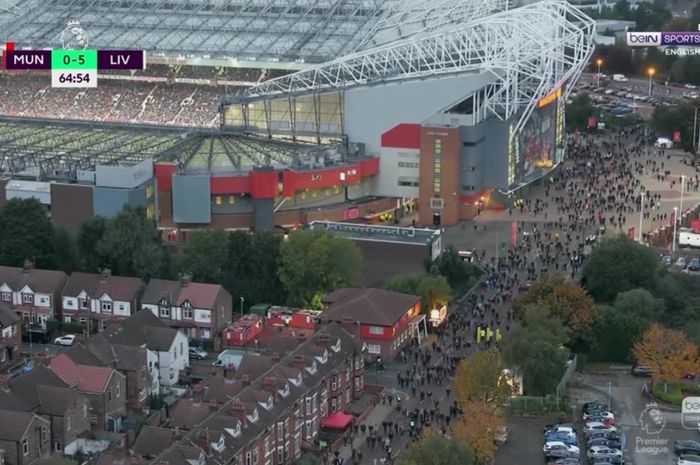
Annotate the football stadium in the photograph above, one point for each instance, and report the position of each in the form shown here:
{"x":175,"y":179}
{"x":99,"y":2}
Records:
{"x":256,"y":114}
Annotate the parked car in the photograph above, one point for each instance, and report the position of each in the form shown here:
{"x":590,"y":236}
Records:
{"x":560,"y":446}
{"x":608,"y":461}
{"x":560,"y":428}
{"x":567,"y":438}
{"x":686,"y":446}
{"x":566,"y":461}
{"x":602,"y":419}
{"x":603,"y":451}
{"x":197,"y":354}
{"x":612,"y":443}
{"x":598,"y":413}
{"x":593,"y":406}
{"x":689,"y":459}
{"x":597,"y":426}
{"x":641,"y":370}
{"x":66,"y":340}
{"x":667,"y":260}
{"x":610,"y":435}
{"x":501,"y":436}
{"x":694,"y":264}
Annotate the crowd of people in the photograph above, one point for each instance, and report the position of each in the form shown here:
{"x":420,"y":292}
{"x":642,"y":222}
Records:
{"x":161,"y":101}
{"x":590,"y":191}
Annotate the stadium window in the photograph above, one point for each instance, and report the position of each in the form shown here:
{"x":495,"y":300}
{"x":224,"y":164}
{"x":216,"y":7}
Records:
{"x":231,"y":199}
{"x":217,"y":199}
{"x":314,"y":194}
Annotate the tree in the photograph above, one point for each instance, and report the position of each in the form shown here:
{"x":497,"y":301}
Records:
{"x":436,"y":449}
{"x":478,"y":428}
{"x":26,"y":232}
{"x":617,"y":265}
{"x":566,"y":301}
{"x":536,"y":347}
{"x":578,"y":112}
{"x":480,"y":378}
{"x":616,"y":332}
{"x":313,"y":263}
{"x":641,"y":303}
{"x":665,"y":120}
{"x":89,"y":235}
{"x":622,"y":10}
{"x":404,"y":284}
{"x":434,"y":291}
{"x":668,"y":353}
{"x":131,"y":245}
{"x":263,"y":283}
{"x":460,"y":275}
{"x":205,"y":255}
{"x":65,"y":251}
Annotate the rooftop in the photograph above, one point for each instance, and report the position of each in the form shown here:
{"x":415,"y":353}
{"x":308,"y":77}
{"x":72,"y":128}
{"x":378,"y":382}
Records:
{"x":368,"y":306}
{"x":124,"y":288}
{"x":176,"y":293}
{"x":378,"y":233}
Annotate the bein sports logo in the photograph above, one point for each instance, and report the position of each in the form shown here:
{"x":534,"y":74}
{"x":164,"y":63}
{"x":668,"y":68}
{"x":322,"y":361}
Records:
{"x":643,"y":39}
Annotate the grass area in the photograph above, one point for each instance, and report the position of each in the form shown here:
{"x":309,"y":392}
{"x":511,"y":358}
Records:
{"x":675,"y":392}
{"x":308,"y":458}
{"x":360,"y":405}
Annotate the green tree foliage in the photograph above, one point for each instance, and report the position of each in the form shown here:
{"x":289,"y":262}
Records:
{"x":460,"y":275}
{"x":578,"y":112}
{"x":131,"y":245}
{"x":617,"y":265}
{"x":641,"y":303}
{"x":26,"y":232}
{"x":667,"y":119}
{"x":206,"y":255}
{"x":435,"y":449}
{"x":616,"y":331}
{"x":432,"y":289}
{"x":65,"y":251}
{"x":89,"y":236}
{"x":651,"y":16}
{"x":313,"y":263}
{"x":480,"y":379}
{"x":536,"y":347}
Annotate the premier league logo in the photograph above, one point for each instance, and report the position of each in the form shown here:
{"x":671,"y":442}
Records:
{"x":74,"y":37}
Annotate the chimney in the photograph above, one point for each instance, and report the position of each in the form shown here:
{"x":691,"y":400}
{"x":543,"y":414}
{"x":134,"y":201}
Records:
{"x":238,"y":411}
{"x":185,"y":279}
{"x":4,"y":382}
{"x":202,"y":440}
{"x":230,"y":373}
{"x":245,"y":379}
{"x":351,"y":326}
{"x":299,"y":362}
{"x":198,"y":394}
{"x":275,"y":357}
{"x":106,"y":274}
{"x":28,"y":265}
{"x":213,"y":405}
{"x":42,"y":358}
{"x":270,"y":385}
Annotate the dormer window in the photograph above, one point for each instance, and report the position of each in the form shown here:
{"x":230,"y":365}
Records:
{"x":219,"y":445}
{"x":235,"y":431}
{"x":313,"y":368}
{"x":27,"y":298}
{"x":164,"y":309}
{"x":336,"y":347}
{"x":268,"y":404}
{"x":284,"y":392}
{"x":296,"y":381}
{"x":187,"y":310}
{"x":106,"y":306}
{"x":253,"y":417}
{"x":6,"y":296}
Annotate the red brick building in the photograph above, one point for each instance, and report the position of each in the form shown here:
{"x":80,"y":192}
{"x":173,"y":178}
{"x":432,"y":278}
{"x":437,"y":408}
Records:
{"x":387,"y":319}
{"x":10,"y":335}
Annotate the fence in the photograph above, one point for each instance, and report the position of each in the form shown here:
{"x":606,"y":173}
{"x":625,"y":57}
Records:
{"x":570,"y":370}
{"x":528,"y":404}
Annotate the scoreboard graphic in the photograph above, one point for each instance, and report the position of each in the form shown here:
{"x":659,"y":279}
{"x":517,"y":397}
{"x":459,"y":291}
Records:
{"x":73,"y":68}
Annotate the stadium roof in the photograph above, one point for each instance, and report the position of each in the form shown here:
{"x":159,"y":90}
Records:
{"x":57,"y":150}
{"x":301,"y":31}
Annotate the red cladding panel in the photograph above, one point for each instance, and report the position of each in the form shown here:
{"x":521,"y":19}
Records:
{"x":369,"y":167}
{"x":402,"y":136}
{"x":164,"y":175}
{"x":263,"y":184}
{"x":230,"y":184}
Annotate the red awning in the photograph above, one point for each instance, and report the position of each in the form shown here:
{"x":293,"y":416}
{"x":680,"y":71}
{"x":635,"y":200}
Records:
{"x":338,"y":420}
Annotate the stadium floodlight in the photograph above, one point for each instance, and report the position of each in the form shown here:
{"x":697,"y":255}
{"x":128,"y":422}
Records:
{"x":531,"y":50}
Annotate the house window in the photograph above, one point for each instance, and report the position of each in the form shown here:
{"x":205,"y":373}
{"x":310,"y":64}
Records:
{"x":117,"y":390}
{"x":309,"y":433}
{"x":280,"y":431}
{"x":334,"y":405}
{"x":248,"y":458}
{"x":256,"y":456}
{"x":267,"y":446}
{"x":57,"y":446}
{"x":6,"y":296}
{"x":165,"y":311}
{"x":218,"y":199}
{"x":307,"y":410}
{"x":231,"y":199}
{"x":44,"y":434}
{"x":27,"y":298}
{"x":84,"y":304}
{"x":187,"y":310}
{"x":104,"y":324}
{"x":347,"y":396}
{"x":376,"y":330}
{"x":109,"y":395}
{"x":68,"y":318}
{"x":280,"y":454}
{"x":25,"y":446}
{"x":83,"y":320}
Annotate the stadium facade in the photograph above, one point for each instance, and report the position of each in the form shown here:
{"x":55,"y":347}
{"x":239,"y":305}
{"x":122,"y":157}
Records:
{"x":448,"y":105}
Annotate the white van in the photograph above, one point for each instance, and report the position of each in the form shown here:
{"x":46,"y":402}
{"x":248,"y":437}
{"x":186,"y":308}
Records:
{"x":688,"y":238}
{"x":663,"y":143}
{"x":619,"y":78}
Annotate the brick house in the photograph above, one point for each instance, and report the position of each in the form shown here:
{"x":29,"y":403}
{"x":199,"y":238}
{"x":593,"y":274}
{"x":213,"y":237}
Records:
{"x":104,"y":387}
{"x":388,"y":320}
{"x":10,"y":336}
{"x":199,"y":310}
{"x":94,"y":300}
{"x":24,"y":438}
{"x":33,"y":294}
{"x":274,"y":406}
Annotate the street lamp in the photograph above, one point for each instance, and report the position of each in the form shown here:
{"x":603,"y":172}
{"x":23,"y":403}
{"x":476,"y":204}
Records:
{"x":242,"y":305}
{"x":651,"y":72}
{"x":641,"y":217}
{"x":680,"y":208}
{"x":675,"y":221}
{"x":598,"y":62}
